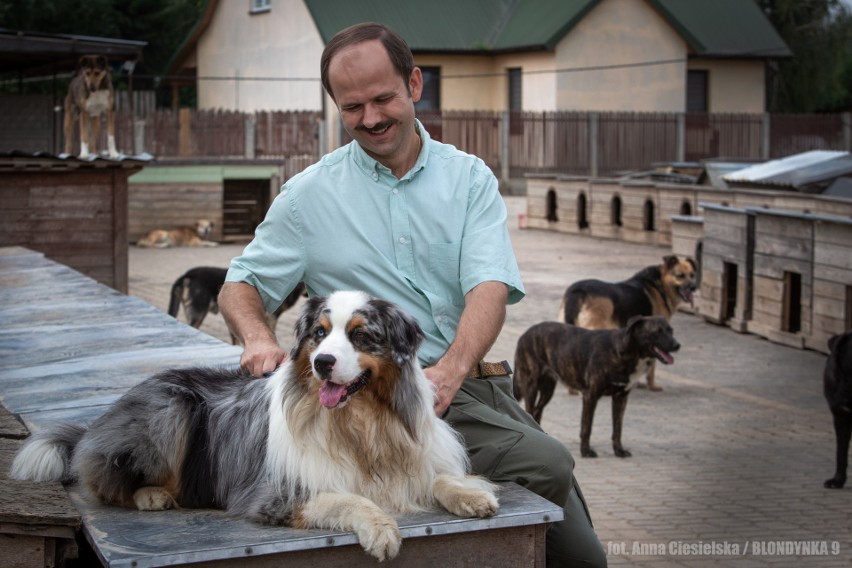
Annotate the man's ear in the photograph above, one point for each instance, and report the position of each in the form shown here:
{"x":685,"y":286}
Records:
{"x":415,"y":84}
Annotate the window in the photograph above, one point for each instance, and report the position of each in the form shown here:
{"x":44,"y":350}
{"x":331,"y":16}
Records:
{"x":515,"y":102}
{"x":430,"y":100}
{"x":260,"y":6}
{"x":696,"y":91}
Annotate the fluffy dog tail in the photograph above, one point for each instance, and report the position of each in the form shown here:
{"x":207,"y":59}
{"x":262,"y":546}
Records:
{"x":46,"y":456}
{"x":177,"y":292}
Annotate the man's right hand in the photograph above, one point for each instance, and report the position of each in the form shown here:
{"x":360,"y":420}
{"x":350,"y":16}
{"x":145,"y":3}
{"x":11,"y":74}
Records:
{"x":262,"y":357}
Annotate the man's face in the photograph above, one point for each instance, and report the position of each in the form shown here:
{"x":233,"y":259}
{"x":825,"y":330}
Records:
{"x":374,"y":101}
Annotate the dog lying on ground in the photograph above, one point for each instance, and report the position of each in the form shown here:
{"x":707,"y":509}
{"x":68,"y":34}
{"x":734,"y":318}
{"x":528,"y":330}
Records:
{"x":195,"y":236}
{"x":601,"y":362}
{"x":837,"y":387}
{"x":343,"y":436}
{"x":90,"y":96}
{"x":197,"y":290}
{"x":653,"y":291}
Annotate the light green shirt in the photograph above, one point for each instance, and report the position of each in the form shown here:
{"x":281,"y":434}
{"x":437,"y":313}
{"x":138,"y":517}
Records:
{"x":422,"y":242}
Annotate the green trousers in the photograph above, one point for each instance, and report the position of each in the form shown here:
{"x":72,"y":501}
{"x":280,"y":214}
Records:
{"x":506,"y":444}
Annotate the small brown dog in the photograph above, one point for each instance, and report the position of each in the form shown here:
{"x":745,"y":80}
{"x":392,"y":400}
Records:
{"x":195,"y":236}
{"x":597,"y":362}
{"x":90,"y":96}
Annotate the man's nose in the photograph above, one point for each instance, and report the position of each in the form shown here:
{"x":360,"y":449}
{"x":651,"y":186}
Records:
{"x":372,"y":116}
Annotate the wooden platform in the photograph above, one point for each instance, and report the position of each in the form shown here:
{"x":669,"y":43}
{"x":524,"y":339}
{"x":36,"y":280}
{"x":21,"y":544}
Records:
{"x":70,"y":346}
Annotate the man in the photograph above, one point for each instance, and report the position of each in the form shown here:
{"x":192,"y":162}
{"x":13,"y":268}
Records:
{"x":421,"y":224}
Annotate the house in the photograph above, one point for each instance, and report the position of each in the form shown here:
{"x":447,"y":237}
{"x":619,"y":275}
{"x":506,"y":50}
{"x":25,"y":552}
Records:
{"x":523,"y":55}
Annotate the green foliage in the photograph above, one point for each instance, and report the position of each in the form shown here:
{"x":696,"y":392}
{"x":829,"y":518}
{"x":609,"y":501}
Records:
{"x":819,"y":75}
{"x":164,"y":24}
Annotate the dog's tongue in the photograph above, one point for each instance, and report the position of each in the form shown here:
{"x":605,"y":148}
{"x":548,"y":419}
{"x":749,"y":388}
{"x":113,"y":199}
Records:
{"x":687,"y":295}
{"x":330,"y":394}
{"x":663,"y":356}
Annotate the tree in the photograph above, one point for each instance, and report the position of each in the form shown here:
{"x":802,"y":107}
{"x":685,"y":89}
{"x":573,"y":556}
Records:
{"x":819,"y":75}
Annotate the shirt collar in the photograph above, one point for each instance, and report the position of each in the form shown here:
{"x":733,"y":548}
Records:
{"x":370,"y":165}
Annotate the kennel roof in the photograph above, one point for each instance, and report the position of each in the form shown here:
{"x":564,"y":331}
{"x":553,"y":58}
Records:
{"x":38,"y":54}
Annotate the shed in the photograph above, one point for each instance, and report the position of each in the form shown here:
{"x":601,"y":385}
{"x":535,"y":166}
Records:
{"x":74,"y":211}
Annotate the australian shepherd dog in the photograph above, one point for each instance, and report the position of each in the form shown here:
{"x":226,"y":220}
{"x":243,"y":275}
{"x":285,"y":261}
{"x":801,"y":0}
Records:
{"x":342,"y":436}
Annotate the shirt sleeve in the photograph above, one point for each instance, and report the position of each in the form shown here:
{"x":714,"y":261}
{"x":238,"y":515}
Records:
{"x":274,"y":261}
{"x":486,"y":252}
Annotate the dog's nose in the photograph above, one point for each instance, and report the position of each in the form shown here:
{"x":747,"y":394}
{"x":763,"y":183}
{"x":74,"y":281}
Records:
{"x":323,"y":364}
{"x":676,"y":347}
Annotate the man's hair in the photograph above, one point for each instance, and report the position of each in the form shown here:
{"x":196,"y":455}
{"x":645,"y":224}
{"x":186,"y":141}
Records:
{"x":398,"y":50}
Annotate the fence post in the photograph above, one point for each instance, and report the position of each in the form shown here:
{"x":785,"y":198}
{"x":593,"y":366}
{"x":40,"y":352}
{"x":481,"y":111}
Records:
{"x":594,"y":120}
{"x":185,"y":132}
{"x":680,"y":139}
{"x":138,"y":136}
{"x":251,"y":135}
{"x":846,"y":121}
{"x":765,"y":140}
{"x":322,"y":138}
{"x":504,"y":146}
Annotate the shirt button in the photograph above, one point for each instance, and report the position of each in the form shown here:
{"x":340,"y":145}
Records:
{"x":375,"y":176}
{"x":395,"y":191}
{"x":402,"y":240}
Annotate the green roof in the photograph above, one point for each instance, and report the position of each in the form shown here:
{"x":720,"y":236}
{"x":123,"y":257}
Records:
{"x":730,"y":28}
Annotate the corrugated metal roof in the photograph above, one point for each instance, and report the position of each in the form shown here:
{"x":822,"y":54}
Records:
{"x":17,"y":160}
{"x":721,"y":27}
{"x":796,"y":171}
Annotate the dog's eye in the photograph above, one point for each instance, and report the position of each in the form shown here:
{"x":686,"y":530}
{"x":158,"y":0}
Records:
{"x":358,"y":336}
{"x":319,"y":333}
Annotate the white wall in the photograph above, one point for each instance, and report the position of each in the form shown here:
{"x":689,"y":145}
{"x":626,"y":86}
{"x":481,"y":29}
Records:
{"x":283,"y":42}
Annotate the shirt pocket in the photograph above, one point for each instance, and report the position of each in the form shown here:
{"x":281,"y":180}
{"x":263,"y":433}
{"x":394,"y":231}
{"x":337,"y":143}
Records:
{"x":444,"y":261}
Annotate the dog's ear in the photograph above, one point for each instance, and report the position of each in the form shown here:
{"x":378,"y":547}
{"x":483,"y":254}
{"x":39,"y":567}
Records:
{"x":692,"y":264}
{"x":101,"y":61}
{"x":836,"y":341}
{"x":402,"y":331}
{"x":634,"y":324}
{"x":670,"y":261}
{"x":306,"y":322}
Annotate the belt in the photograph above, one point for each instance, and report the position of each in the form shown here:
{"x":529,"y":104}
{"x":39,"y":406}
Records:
{"x":486,"y":369}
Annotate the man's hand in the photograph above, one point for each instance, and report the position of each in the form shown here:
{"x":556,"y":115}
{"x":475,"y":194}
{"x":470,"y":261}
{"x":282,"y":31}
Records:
{"x":262,"y":357}
{"x":244,"y":313}
{"x":446,"y":384}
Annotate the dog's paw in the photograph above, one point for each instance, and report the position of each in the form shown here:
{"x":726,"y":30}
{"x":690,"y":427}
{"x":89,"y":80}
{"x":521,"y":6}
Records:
{"x":588,"y":453}
{"x":469,"y":496}
{"x":473,"y":503}
{"x":622,"y":453}
{"x":380,"y":538}
{"x":834,"y":483}
{"x":153,"y":499}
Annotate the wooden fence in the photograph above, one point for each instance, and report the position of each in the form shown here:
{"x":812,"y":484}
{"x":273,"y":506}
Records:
{"x":512,"y":144}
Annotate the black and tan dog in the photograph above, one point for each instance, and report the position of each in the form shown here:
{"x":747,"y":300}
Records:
{"x":198,"y":289}
{"x":653,"y":291}
{"x":837,"y":387}
{"x":599,"y":362}
{"x":90,"y":96}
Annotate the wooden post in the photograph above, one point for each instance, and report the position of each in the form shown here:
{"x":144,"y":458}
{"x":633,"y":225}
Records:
{"x":504,"y":147}
{"x":681,"y":138}
{"x":594,"y":119}
{"x":251,"y":135}
{"x":846,"y":121}
{"x":185,"y":132}
{"x":765,"y":138}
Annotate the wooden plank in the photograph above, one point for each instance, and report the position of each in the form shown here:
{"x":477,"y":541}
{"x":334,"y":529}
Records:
{"x":143,"y":539}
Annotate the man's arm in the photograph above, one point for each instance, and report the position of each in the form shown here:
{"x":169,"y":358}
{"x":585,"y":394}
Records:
{"x":245,"y":315}
{"x":480,"y":324}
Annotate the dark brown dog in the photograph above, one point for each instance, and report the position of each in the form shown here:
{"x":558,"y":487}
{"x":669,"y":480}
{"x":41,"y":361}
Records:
{"x":198,"y":289}
{"x":837,"y":387}
{"x":601,"y":362}
{"x":653,"y":291}
{"x":90,"y":96}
